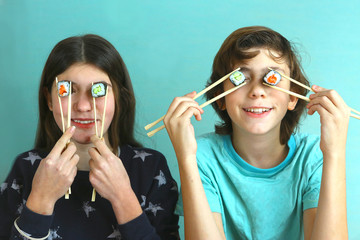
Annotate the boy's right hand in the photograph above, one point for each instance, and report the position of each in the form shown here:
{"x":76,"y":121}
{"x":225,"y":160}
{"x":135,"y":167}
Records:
{"x":178,"y":124}
{"x":54,"y":175}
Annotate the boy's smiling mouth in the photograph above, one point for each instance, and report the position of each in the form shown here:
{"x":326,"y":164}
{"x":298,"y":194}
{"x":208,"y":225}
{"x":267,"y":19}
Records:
{"x":257,"y":110}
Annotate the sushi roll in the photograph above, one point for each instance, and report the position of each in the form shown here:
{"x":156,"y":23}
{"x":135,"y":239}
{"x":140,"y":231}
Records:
{"x":237,"y":78}
{"x":98,"y":90}
{"x":63,"y":88}
{"x":272,"y":78}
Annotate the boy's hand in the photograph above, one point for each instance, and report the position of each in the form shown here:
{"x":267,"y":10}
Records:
{"x":178,"y":124}
{"x":334,"y":118}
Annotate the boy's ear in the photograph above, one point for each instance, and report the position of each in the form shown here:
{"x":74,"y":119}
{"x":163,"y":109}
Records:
{"x":292,"y":103}
{"x":221,"y":104}
{"x":48,"y":98}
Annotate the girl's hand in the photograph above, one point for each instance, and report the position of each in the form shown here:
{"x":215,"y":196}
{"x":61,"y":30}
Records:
{"x":107,"y":173}
{"x":178,"y":124}
{"x":54,"y":175}
{"x":110,"y":179}
{"x":334,"y":118}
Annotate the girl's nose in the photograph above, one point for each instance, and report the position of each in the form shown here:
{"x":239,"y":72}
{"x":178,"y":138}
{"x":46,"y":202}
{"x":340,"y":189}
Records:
{"x":82,"y":103}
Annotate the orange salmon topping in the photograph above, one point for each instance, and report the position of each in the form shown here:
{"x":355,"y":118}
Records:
{"x":62,"y":90}
{"x":272,"y":79}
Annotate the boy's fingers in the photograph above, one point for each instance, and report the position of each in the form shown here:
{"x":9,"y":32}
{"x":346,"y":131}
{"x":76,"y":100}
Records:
{"x":190,"y":95}
{"x":317,"y":88}
{"x":62,"y":142}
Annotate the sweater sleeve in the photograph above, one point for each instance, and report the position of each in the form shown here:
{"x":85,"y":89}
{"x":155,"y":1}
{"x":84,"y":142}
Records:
{"x":13,"y":196}
{"x":157,"y":194}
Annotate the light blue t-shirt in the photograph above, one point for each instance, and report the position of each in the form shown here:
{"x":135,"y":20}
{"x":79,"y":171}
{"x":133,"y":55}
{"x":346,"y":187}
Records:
{"x":260,"y":203}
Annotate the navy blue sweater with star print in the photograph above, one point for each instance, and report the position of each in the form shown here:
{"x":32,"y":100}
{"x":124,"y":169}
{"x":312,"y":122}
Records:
{"x":80,"y":219}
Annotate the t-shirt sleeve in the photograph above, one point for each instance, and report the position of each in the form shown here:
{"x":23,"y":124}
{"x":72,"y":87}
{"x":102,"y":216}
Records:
{"x":312,"y":190}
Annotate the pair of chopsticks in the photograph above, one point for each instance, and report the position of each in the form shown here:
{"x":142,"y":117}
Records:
{"x":301,"y":96}
{"x":93,"y":195}
{"x":147,"y":127}
{"x":62,"y":119}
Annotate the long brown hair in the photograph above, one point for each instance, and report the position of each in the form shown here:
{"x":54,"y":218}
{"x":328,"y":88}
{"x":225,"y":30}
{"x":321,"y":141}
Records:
{"x":95,"y":50}
{"x":233,"y":51}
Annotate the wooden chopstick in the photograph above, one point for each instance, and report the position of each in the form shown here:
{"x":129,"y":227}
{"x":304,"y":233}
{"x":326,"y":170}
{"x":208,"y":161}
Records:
{"x":147,"y":127}
{"x":307,"y":87}
{"x":150,"y":134}
{"x":301,"y":97}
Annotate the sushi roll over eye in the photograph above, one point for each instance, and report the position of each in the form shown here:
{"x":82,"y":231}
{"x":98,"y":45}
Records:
{"x":237,"y":78}
{"x":272,"y":78}
{"x":98,"y":89}
{"x":63,"y":88}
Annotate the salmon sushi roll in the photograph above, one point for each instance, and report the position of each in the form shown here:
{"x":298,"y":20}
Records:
{"x":272,"y":78}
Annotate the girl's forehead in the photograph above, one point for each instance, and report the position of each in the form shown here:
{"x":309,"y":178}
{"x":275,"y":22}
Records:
{"x":83,"y":75}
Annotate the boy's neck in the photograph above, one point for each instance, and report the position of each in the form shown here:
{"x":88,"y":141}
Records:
{"x":261,"y":151}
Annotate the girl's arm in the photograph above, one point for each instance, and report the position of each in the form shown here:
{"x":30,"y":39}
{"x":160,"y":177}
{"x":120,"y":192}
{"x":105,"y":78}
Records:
{"x":32,"y":215}
{"x":200,"y":222}
{"x":330,"y":220}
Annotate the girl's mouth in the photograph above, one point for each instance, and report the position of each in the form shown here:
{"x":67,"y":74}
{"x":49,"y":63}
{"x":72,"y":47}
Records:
{"x":84,"y":123}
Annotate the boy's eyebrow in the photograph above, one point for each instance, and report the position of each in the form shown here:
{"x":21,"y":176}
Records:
{"x":266,"y":69}
{"x":278,"y":69}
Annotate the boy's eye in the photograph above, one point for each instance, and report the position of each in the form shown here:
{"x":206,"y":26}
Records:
{"x":237,"y":78}
{"x":272,"y":78}
{"x":98,"y":89}
{"x":63,"y":88}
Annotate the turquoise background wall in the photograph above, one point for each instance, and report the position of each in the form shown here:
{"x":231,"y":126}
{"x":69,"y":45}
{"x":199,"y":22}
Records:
{"x":168,"y":47}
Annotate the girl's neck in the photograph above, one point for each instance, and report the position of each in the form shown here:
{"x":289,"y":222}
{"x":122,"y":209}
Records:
{"x":83,"y":152}
{"x":261,"y":151}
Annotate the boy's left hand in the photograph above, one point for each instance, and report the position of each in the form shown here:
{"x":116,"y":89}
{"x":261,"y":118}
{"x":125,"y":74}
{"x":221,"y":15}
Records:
{"x":334,"y":119}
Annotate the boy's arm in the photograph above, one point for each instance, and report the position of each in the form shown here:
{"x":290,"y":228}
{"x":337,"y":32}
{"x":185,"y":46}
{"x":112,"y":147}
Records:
{"x":198,"y":218}
{"x":199,"y":221}
{"x":330,"y":221}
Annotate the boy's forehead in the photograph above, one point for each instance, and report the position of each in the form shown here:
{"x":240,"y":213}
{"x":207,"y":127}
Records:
{"x":264,"y":59}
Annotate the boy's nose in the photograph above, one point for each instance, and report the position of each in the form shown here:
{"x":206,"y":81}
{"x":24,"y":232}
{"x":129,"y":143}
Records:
{"x":257,"y":90}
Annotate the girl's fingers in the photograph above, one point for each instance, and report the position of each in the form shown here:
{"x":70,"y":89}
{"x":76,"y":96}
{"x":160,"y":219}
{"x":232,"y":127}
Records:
{"x":68,"y":153}
{"x":100,"y":146}
{"x":61,"y":143}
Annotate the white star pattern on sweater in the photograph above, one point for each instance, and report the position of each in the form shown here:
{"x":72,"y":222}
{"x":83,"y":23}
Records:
{"x":21,"y":206}
{"x":15,"y":186}
{"x":3,"y":187}
{"x":53,"y":234}
{"x":87,"y":208}
{"x":141,"y":154}
{"x":143,"y":201}
{"x":116,"y":234}
{"x":32,"y":157}
{"x":154,"y":208}
{"x":161,"y":178}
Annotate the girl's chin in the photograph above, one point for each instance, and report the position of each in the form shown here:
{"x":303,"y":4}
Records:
{"x":82,"y":139}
